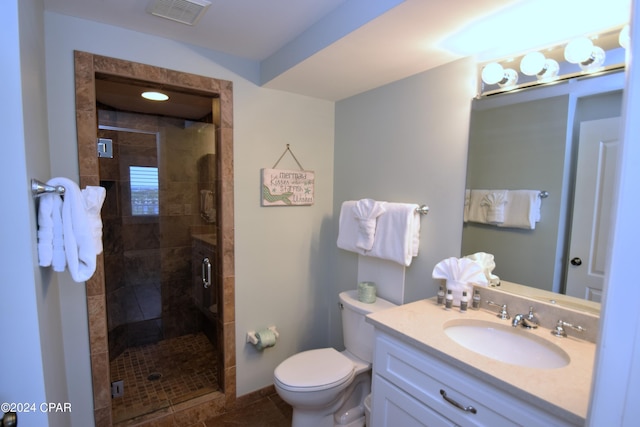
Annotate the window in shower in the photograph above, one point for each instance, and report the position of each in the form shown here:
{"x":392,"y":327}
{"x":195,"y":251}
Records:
{"x":144,"y":190}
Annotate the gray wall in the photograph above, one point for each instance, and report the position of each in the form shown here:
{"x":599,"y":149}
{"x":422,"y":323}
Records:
{"x":32,"y":361}
{"x":406,"y":142}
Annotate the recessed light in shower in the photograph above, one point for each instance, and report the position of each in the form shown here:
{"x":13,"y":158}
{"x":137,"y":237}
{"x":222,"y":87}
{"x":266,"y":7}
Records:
{"x":155,"y":96}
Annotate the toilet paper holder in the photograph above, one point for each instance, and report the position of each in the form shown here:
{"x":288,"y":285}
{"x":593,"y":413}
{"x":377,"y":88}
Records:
{"x":253,"y":338}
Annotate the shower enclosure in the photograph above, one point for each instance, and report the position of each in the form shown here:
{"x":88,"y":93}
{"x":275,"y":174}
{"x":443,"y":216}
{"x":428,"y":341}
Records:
{"x":195,"y":91}
{"x":159,"y":221}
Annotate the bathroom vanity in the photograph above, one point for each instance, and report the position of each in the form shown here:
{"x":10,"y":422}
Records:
{"x":422,"y":376}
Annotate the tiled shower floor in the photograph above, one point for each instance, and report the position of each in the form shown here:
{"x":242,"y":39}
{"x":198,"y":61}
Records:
{"x":158,"y":375}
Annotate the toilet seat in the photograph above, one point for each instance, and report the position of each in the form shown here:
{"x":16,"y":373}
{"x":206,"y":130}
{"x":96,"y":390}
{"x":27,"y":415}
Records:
{"x":314,"y":370}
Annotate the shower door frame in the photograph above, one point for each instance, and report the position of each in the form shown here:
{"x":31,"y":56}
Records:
{"x":87,"y":65}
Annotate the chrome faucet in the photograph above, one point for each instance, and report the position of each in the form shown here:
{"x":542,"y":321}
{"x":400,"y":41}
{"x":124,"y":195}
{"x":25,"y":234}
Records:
{"x":503,"y":314}
{"x":559,"y":330}
{"x":528,"y":321}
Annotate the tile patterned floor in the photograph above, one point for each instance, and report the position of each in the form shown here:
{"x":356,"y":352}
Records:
{"x":270,"y":411}
{"x":158,"y":375}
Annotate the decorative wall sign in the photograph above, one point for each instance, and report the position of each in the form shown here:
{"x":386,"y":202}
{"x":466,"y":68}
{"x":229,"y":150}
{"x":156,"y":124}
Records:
{"x":282,"y":187}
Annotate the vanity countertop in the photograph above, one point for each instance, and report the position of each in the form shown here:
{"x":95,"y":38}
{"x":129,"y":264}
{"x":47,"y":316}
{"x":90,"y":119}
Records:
{"x":563,"y":391}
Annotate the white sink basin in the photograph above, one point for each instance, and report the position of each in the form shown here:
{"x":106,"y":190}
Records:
{"x":506,"y":344}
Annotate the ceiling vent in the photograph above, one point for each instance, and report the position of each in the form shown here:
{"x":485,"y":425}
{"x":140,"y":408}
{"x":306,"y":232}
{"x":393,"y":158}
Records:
{"x":183,"y":11}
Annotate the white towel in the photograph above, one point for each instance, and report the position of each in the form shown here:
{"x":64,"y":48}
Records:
{"x":207,"y":208}
{"x":366,"y":212}
{"x":397,"y":234}
{"x":477,"y":212}
{"x":45,"y":229}
{"x":79,"y":246}
{"x":487,"y":262}
{"x":467,"y":201}
{"x":461,"y":274}
{"x":522,"y":209}
{"x":93,"y":198}
{"x":494,"y":202}
{"x":59,"y":258}
{"x":348,"y":228}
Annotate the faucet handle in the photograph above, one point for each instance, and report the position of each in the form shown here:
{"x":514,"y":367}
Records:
{"x":559,"y":330}
{"x":503,"y":314}
{"x":531,"y":320}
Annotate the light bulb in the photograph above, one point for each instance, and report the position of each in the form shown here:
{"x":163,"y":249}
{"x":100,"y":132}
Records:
{"x":578,"y":50}
{"x":595,"y":60}
{"x":492,"y":73}
{"x":509,"y":78}
{"x":532,"y":63}
{"x":154,"y":96}
{"x":550,"y":70}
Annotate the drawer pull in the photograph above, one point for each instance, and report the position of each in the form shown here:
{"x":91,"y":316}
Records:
{"x":456,"y":404}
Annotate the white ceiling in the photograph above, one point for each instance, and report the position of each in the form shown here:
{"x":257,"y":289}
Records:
{"x":333,"y":49}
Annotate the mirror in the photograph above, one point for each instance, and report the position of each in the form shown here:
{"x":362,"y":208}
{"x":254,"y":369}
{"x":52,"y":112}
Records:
{"x":529,"y":140}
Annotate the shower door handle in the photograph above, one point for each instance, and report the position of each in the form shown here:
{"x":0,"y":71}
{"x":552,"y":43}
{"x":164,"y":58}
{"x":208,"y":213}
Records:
{"x":206,"y":273}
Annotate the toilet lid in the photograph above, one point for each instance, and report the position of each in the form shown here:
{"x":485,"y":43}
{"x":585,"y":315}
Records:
{"x":324,"y":367}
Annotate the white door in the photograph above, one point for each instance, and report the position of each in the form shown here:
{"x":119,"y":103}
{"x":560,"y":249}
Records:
{"x":595,"y":176}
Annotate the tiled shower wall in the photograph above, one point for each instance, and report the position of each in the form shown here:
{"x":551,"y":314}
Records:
{"x":148,"y":259}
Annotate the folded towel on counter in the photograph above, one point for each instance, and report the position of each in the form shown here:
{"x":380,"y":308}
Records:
{"x":397,"y":234}
{"x":366,"y":212}
{"x":487,"y":262}
{"x":494,"y":202}
{"x":460,"y":275}
{"x":93,"y":198}
{"x":79,"y":245}
{"x":522,"y":209}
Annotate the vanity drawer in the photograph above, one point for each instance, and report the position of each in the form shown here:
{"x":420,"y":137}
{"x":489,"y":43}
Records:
{"x":423,"y":377}
{"x":393,"y":408}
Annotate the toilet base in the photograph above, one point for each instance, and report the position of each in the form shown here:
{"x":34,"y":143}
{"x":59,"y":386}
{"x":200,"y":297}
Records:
{"x":346,"y":411}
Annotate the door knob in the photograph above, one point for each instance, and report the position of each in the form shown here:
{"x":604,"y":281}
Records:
{"x":576,"y":261}
{"x":9,"y":419}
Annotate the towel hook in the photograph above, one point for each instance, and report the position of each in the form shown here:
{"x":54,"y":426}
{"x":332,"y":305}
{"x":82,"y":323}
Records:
{"x":39,"y":188}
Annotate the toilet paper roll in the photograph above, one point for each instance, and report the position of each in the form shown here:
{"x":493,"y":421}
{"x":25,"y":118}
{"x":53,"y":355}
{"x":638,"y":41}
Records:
{"x":266,"y":338}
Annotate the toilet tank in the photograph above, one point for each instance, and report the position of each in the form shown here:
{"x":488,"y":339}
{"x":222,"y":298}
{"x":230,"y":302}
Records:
{"x":357,"y":333}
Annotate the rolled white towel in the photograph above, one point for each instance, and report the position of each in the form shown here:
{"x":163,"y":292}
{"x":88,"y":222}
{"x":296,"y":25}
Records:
{"x":79,"y":246}
{"x":59,"y":258}
{"x":93,"y":199}
{"x":45,"y":229}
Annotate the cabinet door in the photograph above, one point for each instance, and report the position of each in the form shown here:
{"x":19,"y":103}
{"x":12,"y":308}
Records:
{"x":393,"y":408}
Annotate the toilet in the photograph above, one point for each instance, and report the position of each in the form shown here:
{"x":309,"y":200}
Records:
{"x":325,"y":387}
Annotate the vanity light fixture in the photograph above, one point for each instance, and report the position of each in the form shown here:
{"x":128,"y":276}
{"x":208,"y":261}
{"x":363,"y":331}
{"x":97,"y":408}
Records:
{"x":624,"y":37}
{"x":154,"y":96}
{"x":589,"y":55}
{"x":535,"y":64}
{"x":583,"y":52}
{"x":494,"y":73}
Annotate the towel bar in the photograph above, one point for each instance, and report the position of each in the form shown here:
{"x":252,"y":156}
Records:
{"x":422,"y":209}
{"x":39,"y":188}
